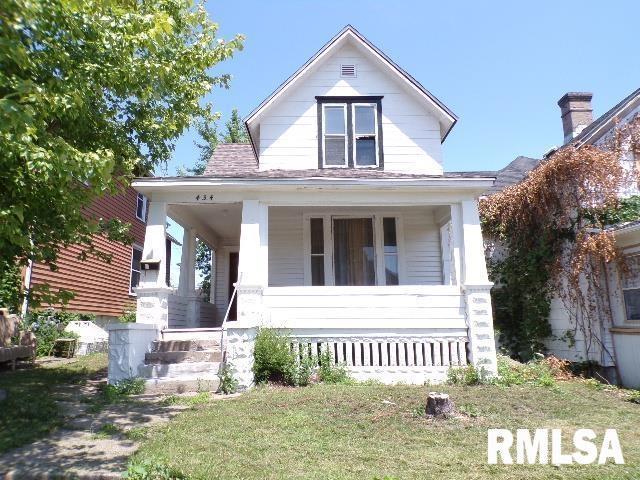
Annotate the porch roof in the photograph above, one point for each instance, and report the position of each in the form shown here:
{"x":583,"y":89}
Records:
{"x":237,"y":160}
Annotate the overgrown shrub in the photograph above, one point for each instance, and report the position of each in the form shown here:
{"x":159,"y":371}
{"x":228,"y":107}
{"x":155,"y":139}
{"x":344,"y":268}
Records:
{"x":275,"y":360}
{"x":330,"y":372}
{"x":228,"y":383}
{"x":49,"y":325}
{"x":536,"y":372}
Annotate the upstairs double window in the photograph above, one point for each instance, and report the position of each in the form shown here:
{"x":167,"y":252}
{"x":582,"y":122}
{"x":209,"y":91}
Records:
{"x":349,"y":132}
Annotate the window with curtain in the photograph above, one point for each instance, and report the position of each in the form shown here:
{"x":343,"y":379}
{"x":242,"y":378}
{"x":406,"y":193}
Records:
{"x":390,"y":249}
{"x":353,"y":251}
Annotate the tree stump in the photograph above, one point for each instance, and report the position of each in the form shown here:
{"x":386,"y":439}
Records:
{"x":439,"y":404}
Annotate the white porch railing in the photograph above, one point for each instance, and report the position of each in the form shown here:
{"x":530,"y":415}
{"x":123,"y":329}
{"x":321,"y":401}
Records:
{"x":190,"y":312}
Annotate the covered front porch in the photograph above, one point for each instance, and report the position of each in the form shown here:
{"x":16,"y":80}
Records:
{"x":391,"y":280}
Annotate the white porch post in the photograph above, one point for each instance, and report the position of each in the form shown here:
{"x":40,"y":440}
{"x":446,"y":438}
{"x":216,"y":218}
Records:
{"x":253,"y":265}
{"x":187,"y":284}
{"x":153,"y":293}
{"x":476,"y":287}
{"x":155,"y":245}
{"x":253,"y":277}
{"x":456,"y":244}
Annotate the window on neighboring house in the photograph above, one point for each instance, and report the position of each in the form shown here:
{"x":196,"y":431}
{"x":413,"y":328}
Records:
{"x":141,"y":208}
{"x":631,"y":288}
{"x":390,"y":249}
{"x":350,"y":132}
{"x":136,"y":258}
{"x":317,"y":251}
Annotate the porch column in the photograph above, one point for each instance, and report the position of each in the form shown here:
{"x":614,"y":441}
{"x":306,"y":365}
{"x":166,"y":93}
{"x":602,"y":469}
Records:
{"x":456,"y":244}
{"x":476,"y":288}
{"x":253,"y":277}
{"x":152,"y":292}
{"x":253,"y":264}
{"x":188,"y":263}
{"x":155,"y":246}
{"x":187,"y":284}
{"x":475,"y":266}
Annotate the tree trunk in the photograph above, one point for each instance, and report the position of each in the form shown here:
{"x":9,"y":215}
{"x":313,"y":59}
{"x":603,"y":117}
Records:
{"x":439,"y":404}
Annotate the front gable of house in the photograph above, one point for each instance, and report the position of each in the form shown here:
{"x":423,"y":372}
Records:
{"x":351,"y":107}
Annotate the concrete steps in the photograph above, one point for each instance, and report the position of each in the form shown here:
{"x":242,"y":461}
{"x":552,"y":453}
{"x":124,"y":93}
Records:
{"x":182,"y":365}
{"x":182,"y":385}
{"x":159,"y":358}
{"x":184,"y":345}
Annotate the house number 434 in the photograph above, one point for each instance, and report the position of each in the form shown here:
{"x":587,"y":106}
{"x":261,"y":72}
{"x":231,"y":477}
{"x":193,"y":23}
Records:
{"x":204,"y":198}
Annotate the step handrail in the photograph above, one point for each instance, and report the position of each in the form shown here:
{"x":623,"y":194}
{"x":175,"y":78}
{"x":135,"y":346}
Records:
{"x":226,"y":317}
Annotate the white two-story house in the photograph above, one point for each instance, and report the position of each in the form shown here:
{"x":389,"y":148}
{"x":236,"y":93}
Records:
{"x":337,"y":223}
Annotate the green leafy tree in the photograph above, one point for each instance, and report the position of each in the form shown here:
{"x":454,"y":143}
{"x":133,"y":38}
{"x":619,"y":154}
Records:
{"x":235,"y":130}
{"x":91,"y":93}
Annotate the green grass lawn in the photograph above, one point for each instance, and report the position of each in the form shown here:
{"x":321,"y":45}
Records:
{"x":349,"y":431}
{"x":30,"y":410}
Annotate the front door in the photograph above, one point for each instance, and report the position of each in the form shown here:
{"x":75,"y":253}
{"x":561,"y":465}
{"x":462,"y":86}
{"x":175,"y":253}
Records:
{"x":233,"y":278}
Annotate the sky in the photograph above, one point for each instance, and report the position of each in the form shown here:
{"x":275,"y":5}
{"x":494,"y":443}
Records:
{"x":499,"y":66}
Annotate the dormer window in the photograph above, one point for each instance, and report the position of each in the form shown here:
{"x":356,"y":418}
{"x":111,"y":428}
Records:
{"x":349,"y":132}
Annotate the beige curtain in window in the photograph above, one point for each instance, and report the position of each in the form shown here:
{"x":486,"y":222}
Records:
{"x":353,"y":252}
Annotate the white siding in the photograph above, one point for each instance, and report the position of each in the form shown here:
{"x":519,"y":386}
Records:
{"x":422,"y":258}
{"x":411,"y":135}
{"x":286,"y":260}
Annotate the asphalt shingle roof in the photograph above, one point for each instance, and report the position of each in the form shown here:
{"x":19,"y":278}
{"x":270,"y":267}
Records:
{"x":237,"y":160}
{"x":513,"y":173}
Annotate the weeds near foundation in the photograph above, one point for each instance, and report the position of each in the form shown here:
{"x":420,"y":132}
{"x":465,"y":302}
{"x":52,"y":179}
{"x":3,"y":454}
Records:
{"x":228,"y":382}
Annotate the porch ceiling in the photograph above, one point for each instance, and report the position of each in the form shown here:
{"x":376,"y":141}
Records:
{"x":222,"y":219}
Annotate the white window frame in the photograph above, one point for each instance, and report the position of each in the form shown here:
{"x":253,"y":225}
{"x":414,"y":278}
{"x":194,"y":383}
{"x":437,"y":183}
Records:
{"x":324,"y":136}
{"x":378,"y":244}
{"x":355,"y":136}
{"x":144,"y":207}
{"x":628,"y":254}
{"x":139,"y":248}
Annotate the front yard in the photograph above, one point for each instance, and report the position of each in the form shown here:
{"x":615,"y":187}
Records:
{"x":321,"y":431}
{"x":375,"y":431}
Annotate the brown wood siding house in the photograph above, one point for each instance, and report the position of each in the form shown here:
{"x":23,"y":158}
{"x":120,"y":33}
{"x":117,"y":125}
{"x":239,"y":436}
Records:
{"x":101,"y":288}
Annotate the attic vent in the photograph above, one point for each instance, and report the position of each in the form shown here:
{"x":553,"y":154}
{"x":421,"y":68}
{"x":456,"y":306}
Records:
{"x":348,"y":71}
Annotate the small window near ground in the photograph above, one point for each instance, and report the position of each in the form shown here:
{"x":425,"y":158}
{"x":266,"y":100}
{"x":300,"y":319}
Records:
{"x":631,"y":288}
{"x":136,"y":258}
{"x":141,"y":208}
{"x":317,"y":251}
{"x":390,"y":251}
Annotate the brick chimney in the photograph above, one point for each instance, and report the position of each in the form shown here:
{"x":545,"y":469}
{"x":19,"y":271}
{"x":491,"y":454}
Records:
{"x":576,"y":113}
